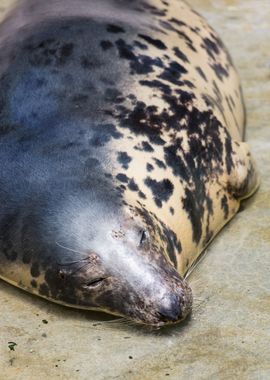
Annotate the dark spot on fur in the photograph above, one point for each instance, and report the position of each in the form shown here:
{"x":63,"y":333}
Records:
{"x":173,"y":245}
{"x":66,"y":50}
{"x":44,"y":290}
{"x":179,"y":54}
{"x":220,"y":71}
{"x":103,"y":133}
{"x":34,"y":283}
{"x":141,"y":195}
{"x":156,"y":84}
{"x":173,"y":72}
{"x":208,"y":237}
{"x":229,"y":153}
{"x":155,"y":42}
{"x":6,"y":128}
{"x":232,"y":101}
{"x":229,"y":104}
{"x":140,"y":45}
{"x":124,"y":159}
{"x":202,"y":74}
{"x":147,"y":147}
{"x":49,"y":52}
{"x":87,"y":62}
{"x":113,"y":95}
{"x":142,"y":120}
{"x":177,"y":22}
{"x":225,"y":206}
{"x":188,"y":84}
{"x":106,"y":45}
{"x":91,"y":163}
{"x":172,"y":210}
{"x":139,"y":64}
{"x":166,"y":25}
{"x":175,"y":161}
{"x":144,"y":64}
{"x":185,"y":97}
{"x":194,"y":209}
{"x":125,"y":50}
{"x":211,"y":47}
{"x":35,"y":272}
{"x":208,"y":101}
{"x":161,"y":190}
{"x":115,"y":29}
{"x":122,"y":177}
{"x":27,"y":257}
{"x":132,"y":185}
{"x":146,"y":7}
{"x":149,"y":167}
{"x":160,"y":163}
{"x":7,"y":225}
{"x":187,"y":40}
{"x":80,"y":98}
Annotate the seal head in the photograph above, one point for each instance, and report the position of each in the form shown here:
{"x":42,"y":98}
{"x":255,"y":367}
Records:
{"x":97,"y":254}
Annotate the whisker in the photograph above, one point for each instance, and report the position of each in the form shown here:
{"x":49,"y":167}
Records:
{"x":195,"y":264}
{"x":68,"y":249}
{"x":71,"y":262}
{"x":195,"y":282}
{"x":71,"y":250}
{"x":79,"y":268}
{"x":113,"y":321}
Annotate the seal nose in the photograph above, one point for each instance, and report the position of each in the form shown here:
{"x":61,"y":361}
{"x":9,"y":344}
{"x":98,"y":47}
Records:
{"x":171,"y":310}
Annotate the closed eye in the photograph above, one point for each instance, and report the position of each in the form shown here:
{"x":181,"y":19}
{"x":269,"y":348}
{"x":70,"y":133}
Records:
{"x":95,"y":283}
{"x":144,"y":237}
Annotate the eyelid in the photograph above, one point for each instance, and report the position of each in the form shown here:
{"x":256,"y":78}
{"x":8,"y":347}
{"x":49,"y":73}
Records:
{"x":95,"y":283}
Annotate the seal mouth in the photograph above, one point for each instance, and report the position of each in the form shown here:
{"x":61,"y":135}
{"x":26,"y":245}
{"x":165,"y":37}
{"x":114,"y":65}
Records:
{"x":158,"y":322}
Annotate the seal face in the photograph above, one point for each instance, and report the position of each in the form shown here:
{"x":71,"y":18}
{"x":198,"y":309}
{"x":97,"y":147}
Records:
{"x":121,"y":127}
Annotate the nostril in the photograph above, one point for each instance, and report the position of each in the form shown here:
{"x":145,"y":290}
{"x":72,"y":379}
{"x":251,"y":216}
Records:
{"x":95,"y":283}
{"x":171,"y":312}
{"x":169,"y":315}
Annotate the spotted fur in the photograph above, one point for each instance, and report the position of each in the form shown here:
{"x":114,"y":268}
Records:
{"x":121,"y":132}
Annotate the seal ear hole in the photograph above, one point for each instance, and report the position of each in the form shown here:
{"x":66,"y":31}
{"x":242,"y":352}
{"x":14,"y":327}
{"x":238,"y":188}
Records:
{"x":62,"y":275}
{"x":95,"y":283}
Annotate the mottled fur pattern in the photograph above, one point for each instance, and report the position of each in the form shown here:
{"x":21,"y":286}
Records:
{"x":121,"y":155}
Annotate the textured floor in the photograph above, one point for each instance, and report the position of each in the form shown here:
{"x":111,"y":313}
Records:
{"x":228,"y":335}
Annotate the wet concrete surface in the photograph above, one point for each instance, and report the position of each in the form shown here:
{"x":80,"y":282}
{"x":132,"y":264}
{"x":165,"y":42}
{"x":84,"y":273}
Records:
{"x":228,"y":334}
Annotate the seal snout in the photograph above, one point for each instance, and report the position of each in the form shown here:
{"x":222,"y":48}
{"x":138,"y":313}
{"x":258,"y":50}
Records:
{"x":175,"y":306}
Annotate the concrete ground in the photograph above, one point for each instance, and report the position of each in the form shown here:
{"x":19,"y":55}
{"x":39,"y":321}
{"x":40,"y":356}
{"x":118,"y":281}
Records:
{"x":228,"y":335}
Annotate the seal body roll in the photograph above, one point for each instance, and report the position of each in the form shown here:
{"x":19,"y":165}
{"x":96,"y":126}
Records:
{"x":121,"y":152}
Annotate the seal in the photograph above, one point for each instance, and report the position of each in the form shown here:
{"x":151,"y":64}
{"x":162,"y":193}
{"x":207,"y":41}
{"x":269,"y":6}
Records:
{"x":121,"y":152}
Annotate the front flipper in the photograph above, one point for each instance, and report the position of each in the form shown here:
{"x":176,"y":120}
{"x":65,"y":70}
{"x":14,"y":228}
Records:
{"x":244,"y":178}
